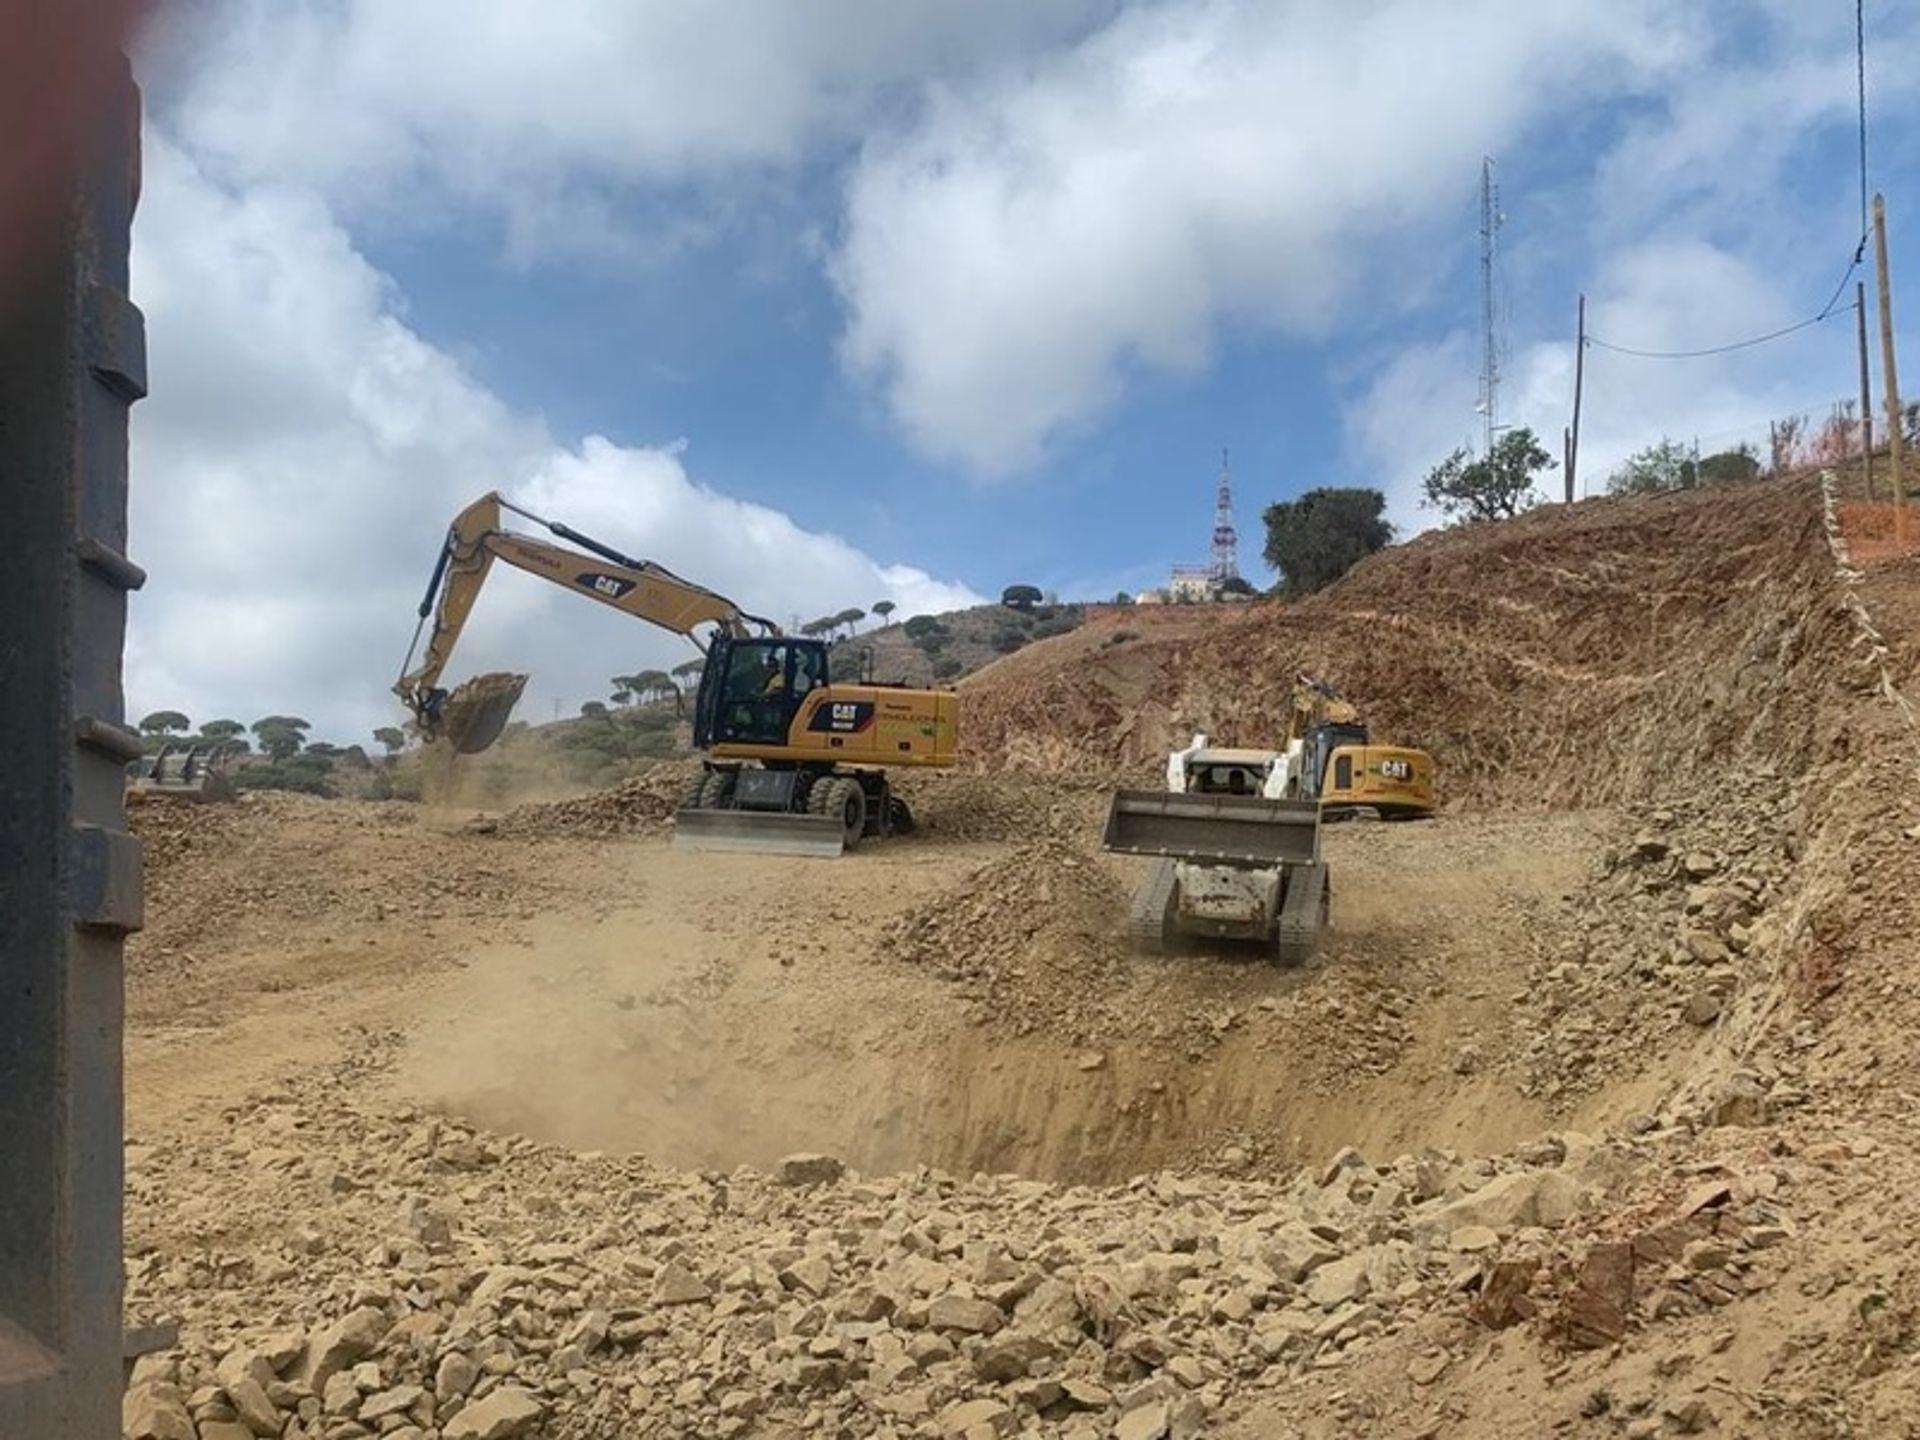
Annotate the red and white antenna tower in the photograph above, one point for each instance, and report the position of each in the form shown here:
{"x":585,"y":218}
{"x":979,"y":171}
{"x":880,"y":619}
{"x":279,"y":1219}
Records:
{"x":1225,"y":564}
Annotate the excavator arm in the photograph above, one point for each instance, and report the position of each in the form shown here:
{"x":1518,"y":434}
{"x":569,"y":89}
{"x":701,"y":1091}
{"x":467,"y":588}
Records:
{"x":474,"y":541}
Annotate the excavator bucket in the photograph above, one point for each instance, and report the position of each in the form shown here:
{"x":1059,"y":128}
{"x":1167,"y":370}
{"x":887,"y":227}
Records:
{"x":1213,"y":829}
{"x":758,"y":832}
{"x":472,"y":717}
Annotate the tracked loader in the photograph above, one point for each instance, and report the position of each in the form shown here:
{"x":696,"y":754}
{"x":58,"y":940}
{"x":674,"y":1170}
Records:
{"x":1234,"y":857}
{"x":796,"y":761}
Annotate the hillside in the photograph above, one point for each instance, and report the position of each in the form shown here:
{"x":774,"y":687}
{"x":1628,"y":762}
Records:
{"x":1568,"y":656}
{"x":965,"y":639}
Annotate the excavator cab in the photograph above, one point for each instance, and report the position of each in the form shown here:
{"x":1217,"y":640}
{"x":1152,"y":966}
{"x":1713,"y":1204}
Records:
{"x":751,"y":689}
{"x":1325,"y":744}
{"x":1350,"y":776}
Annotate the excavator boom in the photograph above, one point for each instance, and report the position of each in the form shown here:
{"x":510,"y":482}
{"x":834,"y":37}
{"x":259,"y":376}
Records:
{"x":471,"y":718}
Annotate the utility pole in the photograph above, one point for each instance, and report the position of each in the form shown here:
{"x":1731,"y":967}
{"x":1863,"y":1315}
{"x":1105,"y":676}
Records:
{"x":1866,"y":387}
{"x":1572,"y":440}
{"x":1891,"y":371}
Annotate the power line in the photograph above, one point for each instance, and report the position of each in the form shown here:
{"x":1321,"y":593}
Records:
{"x":1827,"y":311}
{"x":1832,"y":307}
{"x":1860,"y":69}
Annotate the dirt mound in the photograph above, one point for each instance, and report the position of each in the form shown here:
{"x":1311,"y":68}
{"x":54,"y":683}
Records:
{"x":643,"y":805}
{"x":1040,"y":931}
{"x":1575,"y":655}
{"x":1679,"y":922}
{"x":173,"y":832}
{"x":972,"y":805}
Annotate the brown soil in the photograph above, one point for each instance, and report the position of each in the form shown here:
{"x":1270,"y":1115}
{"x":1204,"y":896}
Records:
{"x":1669,"y":906}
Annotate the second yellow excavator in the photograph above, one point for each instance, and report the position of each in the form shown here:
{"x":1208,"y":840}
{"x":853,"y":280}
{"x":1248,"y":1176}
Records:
{"x":796,"y":762}
{"x":1332,"y":759}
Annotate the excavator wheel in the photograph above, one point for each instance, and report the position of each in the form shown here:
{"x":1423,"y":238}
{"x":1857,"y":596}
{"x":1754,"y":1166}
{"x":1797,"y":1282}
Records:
{"x":1150,"y":923}
{"x":716,"y":790}
{"x":842,"y":797}
{"x":899,"y":817}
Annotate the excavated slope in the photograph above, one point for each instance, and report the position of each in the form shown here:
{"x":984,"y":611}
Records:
{"x":1572,"y":656}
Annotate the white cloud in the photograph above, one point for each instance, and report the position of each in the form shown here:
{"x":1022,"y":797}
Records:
{"x":548,"y":115}
{"x":302,"y":451}
{"x":1009,"y":259}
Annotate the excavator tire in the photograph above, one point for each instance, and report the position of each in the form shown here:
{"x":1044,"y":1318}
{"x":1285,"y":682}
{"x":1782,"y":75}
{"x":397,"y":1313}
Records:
{"x":842,"y":797}
{"x":899,"y":817}
{"x":1304,"y":913}
{"x":1150,"y":922}
{"x":693,"y":790}
{"x":716,"y":790}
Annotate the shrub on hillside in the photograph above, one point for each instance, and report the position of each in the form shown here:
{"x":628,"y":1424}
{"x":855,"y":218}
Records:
{"x":1497,"y":486}
{"x":1314,"y":540}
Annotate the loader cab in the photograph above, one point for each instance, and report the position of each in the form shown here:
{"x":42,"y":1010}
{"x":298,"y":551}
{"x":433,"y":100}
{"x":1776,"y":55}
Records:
{"x":750,"y":689}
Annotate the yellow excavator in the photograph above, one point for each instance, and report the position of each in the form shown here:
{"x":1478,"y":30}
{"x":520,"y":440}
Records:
{"x":796,"y":762}
{"x":1332,"y":759}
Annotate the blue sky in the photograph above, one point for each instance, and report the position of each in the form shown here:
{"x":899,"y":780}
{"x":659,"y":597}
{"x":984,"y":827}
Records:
{"x":948,"y":297}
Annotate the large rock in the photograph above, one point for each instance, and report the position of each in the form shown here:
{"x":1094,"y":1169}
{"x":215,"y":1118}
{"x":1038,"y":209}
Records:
{"x":959,"y":1312}
{"x":1149,"y":1422}
{"x":238,"y":1365}
{"x":155,"y":1412}
{"x":507,"y":1412}
{"x":1341,"y":1282}
{"x":255,"y":1410}
{"x":390,"y":1402}
{"x":969,"y":1415}
{"x":455,"y":1376}
{"x":1509,"y":1202}
{"x":809,"y":1169}
{"x":1009,"y":1356}
{"x":333,"y":1348}
{"x":282,"y":1348}
{"x":677,"y":1285}
{"x":812,"y":1274}
{"x":340,"y":1396}
{"x":1295,"y":1252}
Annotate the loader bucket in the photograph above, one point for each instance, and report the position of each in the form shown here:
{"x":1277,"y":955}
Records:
{"x":472,"y":717}
{"x":758,"y":832}
{"x":1213,"y":829}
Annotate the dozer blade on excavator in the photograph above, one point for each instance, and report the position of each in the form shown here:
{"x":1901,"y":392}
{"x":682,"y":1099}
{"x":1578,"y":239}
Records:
{"x":471,"y":717}
{"x":191,"y":774}
{"x":758,"y":832}
{"x":1213,"y":829}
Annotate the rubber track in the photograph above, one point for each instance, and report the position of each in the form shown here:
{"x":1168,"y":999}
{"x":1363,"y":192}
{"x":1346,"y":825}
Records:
{"x":1150,"y":920}
{"x":1303,"y":914}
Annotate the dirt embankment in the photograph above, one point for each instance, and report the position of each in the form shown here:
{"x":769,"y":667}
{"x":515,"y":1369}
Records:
{"x":1569,"y":657}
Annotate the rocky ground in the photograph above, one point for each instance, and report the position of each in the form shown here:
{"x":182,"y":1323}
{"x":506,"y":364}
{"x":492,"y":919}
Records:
{"x":1591,"y":1120}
